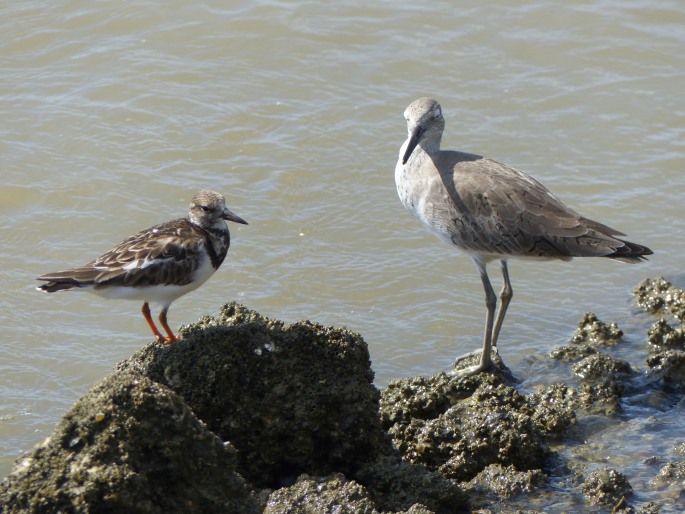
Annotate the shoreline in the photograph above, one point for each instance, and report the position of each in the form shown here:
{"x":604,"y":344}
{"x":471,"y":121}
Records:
{"x":249,"y":414}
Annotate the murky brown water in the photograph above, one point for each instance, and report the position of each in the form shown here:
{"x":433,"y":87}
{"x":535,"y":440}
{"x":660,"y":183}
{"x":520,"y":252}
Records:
{"x":113,"y":116}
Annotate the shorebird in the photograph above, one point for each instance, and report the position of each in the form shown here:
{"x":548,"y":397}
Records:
{"x":159,"y":264}
{"x":492,"y":211}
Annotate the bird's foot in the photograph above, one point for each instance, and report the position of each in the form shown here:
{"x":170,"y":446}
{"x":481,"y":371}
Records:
{"x":485,"y":362}
{"x":473,"y":354}
{"x":467,"y":356}
{"x":471,"y":370}
{"x":167,"y":340}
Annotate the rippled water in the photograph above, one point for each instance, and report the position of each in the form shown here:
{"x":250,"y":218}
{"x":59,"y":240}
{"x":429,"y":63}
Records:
{"x":114,"y":115}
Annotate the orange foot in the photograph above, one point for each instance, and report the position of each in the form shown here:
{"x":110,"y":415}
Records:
{"x":168,"y":340}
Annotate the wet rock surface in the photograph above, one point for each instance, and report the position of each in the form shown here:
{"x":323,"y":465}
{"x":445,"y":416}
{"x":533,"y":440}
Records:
{"x":601,"y":376}
{"x":666,"y":341}
{"x":321,"y":494}
{"x":606,"y":487}
{"x":467,"y":424}
{"x":507,"y":482}
{"x":600,"y":366}
{"x":129,"y":445}
{"x":662,"y":336}
{"x":658,"y":295}
{"x":248,"y":414}
{"x":593,"y":332}
{"x":292,"y":399}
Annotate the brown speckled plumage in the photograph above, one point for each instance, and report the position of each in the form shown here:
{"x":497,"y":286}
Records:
{"x":158,"y":264}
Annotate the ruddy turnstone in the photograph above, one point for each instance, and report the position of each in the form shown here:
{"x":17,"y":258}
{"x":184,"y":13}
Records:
{"x":159,"y":264}
{"x":492,"y":212}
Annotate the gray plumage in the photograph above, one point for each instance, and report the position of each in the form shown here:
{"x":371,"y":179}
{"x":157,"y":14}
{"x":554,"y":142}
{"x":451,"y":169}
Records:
{"x":492,"y":211}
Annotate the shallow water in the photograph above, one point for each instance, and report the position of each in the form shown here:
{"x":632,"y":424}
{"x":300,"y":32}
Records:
{"x":113,"y":116}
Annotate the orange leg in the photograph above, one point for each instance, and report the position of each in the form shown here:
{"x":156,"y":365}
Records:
{"x":171,"y":338}
{"x":146,"y":312}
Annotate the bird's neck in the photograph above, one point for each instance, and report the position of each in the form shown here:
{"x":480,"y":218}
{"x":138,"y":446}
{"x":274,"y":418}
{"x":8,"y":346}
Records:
{"x":431,"y":143}
{"x":217,"y":241}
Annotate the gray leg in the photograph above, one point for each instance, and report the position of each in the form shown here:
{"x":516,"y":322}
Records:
{"x":504,"y":298}
{"x":490,"y":303}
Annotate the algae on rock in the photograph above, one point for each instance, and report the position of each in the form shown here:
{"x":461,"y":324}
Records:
{"x":656,"y":295}
{"x":606,"y":487}
{"x":292,"y":399}
{"x":248,"y":413}
{"x":460,"y":426}
{"x":667,"y":360}
{"x":129,"y":445}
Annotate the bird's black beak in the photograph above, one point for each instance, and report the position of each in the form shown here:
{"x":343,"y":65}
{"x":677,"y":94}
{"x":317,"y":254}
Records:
{"x":416,"y":136}
{"x":229,"y":216}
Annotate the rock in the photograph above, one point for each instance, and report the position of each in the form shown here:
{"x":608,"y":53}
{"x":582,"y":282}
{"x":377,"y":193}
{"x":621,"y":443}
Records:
{"x":603,"y":397}
{"x":397,"y":485}
{"x":333,"y":494}
{"x":321,"y":495}
{"x":282,"y":398}
{"x":671,"y":473}
{"x":572,"y":352}
{"x":648,"y":508}
{"x":593,"y":332}
{"x":658,"y":295}
{"x":602,"y":367}
{"x":129,"y":445}
{"x":606,"y":487}
{"x":428,"y":397}
{"x":661,"y":336}
{"x":292,"y":399}
{"x":667,"y":361}
{"x":247,"y":413}
{"x":602,"y":377}
{"x":555,"y":407}
{"x":668,"y":367}
{"x":459,"y":426}
{"x":504,"y":483}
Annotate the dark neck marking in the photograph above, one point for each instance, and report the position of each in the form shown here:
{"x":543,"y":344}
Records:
{"x":216,"y":255}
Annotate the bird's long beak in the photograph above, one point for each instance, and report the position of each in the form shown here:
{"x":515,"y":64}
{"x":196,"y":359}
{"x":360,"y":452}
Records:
{"x":229,"y":216}
{"x":416,"y":136}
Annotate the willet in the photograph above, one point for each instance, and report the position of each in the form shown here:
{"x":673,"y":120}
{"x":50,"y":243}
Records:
{"x":159,"y":264}
{"x":492,"y":211}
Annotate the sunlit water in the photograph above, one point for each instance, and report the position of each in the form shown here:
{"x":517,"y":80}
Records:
{"x":114,"y":115}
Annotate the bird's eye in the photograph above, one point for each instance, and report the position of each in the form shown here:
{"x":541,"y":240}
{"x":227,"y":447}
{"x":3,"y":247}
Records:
{"x":205,"y":208}
{"x":436,"y":113}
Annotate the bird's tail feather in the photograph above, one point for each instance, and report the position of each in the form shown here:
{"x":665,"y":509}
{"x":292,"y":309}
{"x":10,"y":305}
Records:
{"x":63,"y":280}
{"x":630,"y":252}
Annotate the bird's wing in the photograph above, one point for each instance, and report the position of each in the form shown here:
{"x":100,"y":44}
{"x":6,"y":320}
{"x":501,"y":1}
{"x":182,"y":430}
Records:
{"x":158,"y":255}
{"x":505,"y":211}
